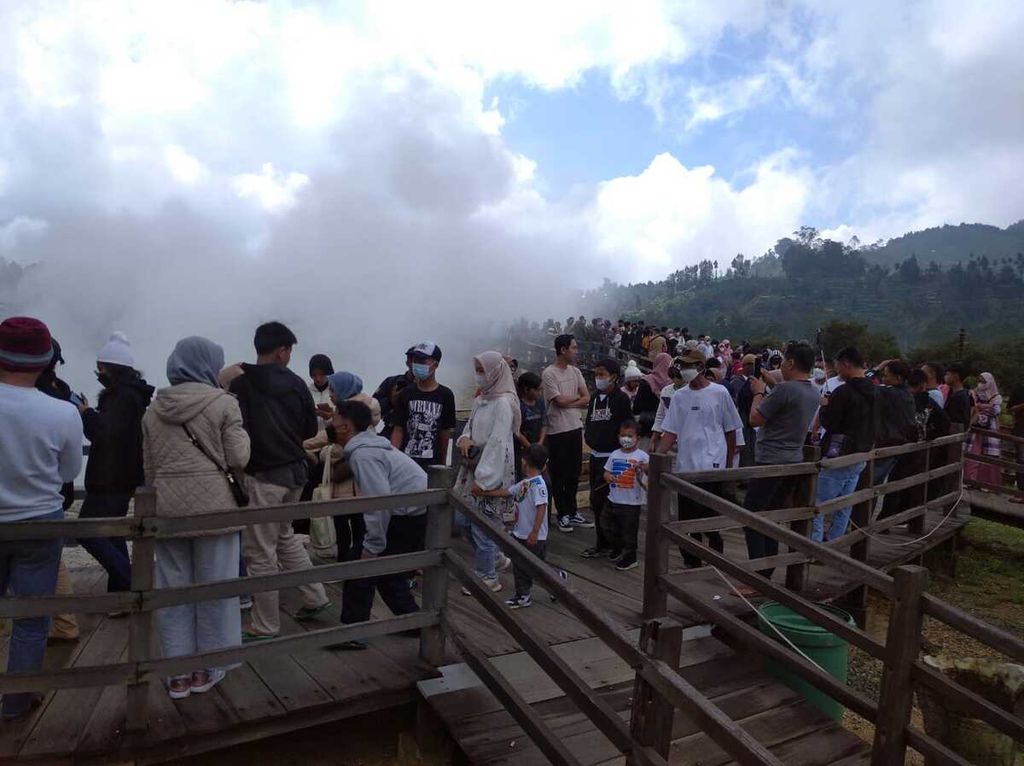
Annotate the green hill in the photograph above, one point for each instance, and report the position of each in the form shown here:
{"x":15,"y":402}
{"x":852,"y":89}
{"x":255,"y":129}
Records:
{"x":945,"y":245}
{"x":804,"y":282}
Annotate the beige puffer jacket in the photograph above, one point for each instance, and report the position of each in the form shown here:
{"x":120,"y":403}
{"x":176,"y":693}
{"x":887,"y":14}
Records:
{"x":187,"y":482}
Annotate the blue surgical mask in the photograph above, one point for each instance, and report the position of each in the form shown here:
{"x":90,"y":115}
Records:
{"x":421,"y":371}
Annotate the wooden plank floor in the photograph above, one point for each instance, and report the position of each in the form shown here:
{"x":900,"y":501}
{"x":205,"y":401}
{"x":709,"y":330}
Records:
{"x":308,"y":688}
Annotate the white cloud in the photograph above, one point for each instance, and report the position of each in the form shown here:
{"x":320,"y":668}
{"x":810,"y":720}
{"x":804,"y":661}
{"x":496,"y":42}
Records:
{"x":275,"y":191}
{"x":17,"y":232}
{"x":670,"y":215}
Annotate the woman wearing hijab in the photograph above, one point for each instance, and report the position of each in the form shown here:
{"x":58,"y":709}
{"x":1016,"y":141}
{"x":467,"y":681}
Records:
{"x":988,"y":404}
{"x":189,"y":479}
{"x":647,"y":399}
{"x":488,"y":455}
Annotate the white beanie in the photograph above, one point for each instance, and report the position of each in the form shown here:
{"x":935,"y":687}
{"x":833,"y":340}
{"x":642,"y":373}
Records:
{"x":632,"y":371}
{"x":117,"y":351}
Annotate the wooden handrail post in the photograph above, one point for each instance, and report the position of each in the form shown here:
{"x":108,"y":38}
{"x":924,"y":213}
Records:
{"x":861,"y":515}
{"x":656,"y":546}
{"x":651,"y":717}
{"x":140,"y":625}
{"x":955,"y":454}
{"x":902,"y":646}
{"x":805,"y":495}
{"x":916,"y":525}
{"x":435,"y":579}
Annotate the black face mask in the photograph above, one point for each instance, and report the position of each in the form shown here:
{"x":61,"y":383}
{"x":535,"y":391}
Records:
{"x":104,"y":379}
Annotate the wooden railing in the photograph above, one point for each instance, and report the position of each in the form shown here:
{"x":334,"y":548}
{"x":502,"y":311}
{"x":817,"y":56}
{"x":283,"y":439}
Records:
{"x":144,"y":528}
{"x":906,"y":588}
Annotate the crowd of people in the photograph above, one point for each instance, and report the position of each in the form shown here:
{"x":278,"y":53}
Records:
{"x":220,"y":437}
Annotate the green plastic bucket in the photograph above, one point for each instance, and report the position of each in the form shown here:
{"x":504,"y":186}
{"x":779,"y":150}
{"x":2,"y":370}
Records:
{"x":827,"y":650}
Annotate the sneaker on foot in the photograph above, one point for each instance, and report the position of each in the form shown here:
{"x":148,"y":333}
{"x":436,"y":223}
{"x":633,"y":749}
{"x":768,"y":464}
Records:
{"x":179,"y":687}
{"x":564,"y":524}
{"x":579,"y":520}
{"x":307,"y":613}
{"x":502,"y":562}
{"x":249,"y":637}
{"x":624,"y":564}
{"x":352,"y":645}
{"x":206,"y":680}
{"x":518,"y":602}
{"x":594,"y":553}
{"x":492,"y":582}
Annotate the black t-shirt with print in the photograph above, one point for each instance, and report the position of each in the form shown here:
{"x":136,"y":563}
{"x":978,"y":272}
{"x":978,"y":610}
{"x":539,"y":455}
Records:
{"x":423,"y":415}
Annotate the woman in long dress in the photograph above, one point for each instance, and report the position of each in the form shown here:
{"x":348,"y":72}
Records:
{"x":988,"y":405}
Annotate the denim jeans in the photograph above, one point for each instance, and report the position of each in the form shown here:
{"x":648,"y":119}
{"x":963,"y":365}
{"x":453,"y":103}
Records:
{"x":833,"y":483}
{"x":28,"y":568}
{"x":483,"y":545}
{"x":110,"y":552}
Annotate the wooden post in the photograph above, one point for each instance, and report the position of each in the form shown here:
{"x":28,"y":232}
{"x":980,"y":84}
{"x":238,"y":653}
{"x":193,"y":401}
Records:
{"x":140,"y":625}
{"x":955,"y":454}
{"x":916,"y":525}
{"x":805,"y":495}
{"x":656,"y":546}
{"x":861,"y":515}
{"x":651,"y":717}
{"x":902,"y":646}
{"x":435,"y":579}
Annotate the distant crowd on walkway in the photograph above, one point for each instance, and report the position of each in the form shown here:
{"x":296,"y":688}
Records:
{"x":220,"y":437}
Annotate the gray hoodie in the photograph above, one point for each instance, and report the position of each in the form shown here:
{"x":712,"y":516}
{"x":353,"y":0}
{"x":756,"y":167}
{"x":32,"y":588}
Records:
{"x":380,"y":469}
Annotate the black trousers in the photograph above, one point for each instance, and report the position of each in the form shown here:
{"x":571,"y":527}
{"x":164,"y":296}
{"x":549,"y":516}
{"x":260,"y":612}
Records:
{"x":110,"y":552}
{"x":765,"y":494}
{"x":622,"y":527}
{"x":690,"y":510}
{"x":599,"y":490}
{"x":523,"y":580}
{"x":406,"y":534}
{"x":565,"y":460}
{"x":349,"y":531}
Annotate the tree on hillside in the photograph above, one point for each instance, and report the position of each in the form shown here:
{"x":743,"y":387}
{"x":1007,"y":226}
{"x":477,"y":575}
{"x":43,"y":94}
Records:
{"x":740,"y":266}
{"x":873,"y":346}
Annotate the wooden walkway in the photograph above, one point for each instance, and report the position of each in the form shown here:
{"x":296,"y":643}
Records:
{"x":308,"y":688}
{"x":995,"y":507}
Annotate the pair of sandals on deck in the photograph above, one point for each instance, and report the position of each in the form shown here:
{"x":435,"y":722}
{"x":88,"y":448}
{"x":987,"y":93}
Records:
{"x":200,"y":682}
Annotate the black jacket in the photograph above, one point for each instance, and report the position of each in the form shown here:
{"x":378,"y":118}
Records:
{"x":278,"y":414}
{"x":604,"y":416}
{"x":932,"y":420}
{"x":114,"y":431}
{"x":852,"y":413}
{"x":897,"y":417}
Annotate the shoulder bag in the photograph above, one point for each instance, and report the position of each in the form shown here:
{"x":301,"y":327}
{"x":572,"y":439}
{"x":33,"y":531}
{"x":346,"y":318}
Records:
{"x":235,"y":483}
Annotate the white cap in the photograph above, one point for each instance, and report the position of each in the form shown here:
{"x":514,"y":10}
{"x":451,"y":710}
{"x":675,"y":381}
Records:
{"x":632,"y":371}
{"x":117,"y":351}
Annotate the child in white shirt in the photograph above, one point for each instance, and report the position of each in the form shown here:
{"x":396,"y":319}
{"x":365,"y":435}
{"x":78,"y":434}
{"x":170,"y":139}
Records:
{"x":531,"y":521}
{"x":626,"y":474}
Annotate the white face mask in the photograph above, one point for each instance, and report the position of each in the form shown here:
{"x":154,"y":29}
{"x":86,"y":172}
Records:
{"x":627,"y":442}
{"x":688,"y":375}
{"x":481,"y":380}
{"x":602,"y":384}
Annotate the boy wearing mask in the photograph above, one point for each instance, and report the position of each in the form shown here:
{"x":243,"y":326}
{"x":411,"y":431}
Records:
{"x":424,"y":416}
{"x":626,"y":475}
{"x":608,"y":409}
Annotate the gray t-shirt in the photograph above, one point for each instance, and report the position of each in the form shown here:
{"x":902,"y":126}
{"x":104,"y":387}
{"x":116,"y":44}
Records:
{"x":788,"y":410}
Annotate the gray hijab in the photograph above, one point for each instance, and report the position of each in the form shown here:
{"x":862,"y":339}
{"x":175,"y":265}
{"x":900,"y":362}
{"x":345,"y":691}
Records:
{"x":195,"y":360}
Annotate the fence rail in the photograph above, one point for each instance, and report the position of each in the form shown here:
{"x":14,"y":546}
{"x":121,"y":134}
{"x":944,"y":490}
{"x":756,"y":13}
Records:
{"x":902,"y":668}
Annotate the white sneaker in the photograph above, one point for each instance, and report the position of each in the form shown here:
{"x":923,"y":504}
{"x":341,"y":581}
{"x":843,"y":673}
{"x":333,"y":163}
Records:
{"x":492,"y":582}
{"x":213,"y":677}
{"x":502,"y":562}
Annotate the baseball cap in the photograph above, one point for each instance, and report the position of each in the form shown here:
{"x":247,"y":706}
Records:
{"x":426,"y":350}
{"x":692,"y":356}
